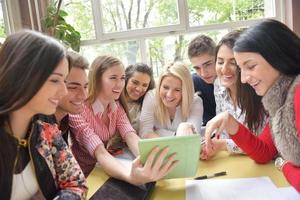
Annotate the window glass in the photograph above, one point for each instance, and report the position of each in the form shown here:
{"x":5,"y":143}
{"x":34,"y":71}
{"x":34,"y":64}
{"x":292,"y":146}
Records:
{"x":123,"y":15}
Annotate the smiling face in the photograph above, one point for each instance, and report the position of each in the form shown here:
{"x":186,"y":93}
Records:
{"x":112,"y":83}
{"x":46,"y":99}
{"x":204,"y":65}
{"x":77,"y":83}
{"x":256,"y":71}
{"x":226,"y":67}
{"x":137,"y":85}
{"x":170,"y":91}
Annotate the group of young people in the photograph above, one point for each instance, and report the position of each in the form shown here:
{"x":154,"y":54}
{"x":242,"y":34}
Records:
{"x":57,"y":122}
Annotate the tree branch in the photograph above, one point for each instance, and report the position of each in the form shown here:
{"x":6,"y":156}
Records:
{"x":138,"y":13}
{"x":129,"y":15}
{"x":124,"y":14}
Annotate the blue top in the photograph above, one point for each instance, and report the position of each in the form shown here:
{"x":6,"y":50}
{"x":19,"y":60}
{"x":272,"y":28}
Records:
{"x":206,"y":92}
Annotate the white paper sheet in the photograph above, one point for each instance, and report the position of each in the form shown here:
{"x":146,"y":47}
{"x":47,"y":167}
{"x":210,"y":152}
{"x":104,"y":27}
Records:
{"x":289,"y":193}
{"x":261,"y":188}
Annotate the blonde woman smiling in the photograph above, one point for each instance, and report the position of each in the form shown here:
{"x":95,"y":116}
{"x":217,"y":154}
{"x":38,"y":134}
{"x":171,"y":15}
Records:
{"x":172,"y":109}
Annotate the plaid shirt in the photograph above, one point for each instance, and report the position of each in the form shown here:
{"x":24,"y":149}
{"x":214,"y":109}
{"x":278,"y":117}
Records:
{"x":90,"y":131}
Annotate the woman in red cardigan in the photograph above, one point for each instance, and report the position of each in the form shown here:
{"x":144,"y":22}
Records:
{"x":269,"y":60}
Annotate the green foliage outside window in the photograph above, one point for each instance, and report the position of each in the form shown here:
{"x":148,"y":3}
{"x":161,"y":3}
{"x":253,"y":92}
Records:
{"x":55,"y":25}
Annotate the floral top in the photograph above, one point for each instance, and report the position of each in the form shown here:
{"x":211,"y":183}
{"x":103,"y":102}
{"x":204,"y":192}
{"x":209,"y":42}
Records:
{"x":56,"y":170}
{"x":224,"y":103}
{"x":61,"y":162}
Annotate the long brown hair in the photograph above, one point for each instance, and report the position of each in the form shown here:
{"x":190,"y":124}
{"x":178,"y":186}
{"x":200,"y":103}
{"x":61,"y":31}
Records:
{"x":97,"y":69}
{"x":247,"y":99}
{"x":250,"y":104}
{"x":27,"y":59}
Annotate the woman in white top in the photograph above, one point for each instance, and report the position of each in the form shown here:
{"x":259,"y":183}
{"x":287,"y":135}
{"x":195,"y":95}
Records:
{"x":172,"y":108}
{"x":228,"y":96}
{"x":138,"y":80}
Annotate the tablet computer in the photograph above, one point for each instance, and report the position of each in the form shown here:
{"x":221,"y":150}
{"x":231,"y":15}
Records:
{"x":187,"y":150}
{"x":114,"y":189}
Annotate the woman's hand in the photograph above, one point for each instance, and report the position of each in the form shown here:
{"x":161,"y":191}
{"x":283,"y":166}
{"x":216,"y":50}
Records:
{"x":154,"y":169}
{"x":221,"y":122}
{"x":185,"y":128}
{"x":217,"y":146}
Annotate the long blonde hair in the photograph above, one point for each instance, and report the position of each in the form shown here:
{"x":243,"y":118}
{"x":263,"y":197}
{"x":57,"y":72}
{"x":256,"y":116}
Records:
{"x":97,"y":69}
{"x":180,"y":71}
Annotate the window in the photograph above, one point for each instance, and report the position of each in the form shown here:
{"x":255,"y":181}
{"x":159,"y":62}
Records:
{"x":128,"y":15}
{"x":2,"y":22}
{"x":80,"y":16}
{"x":162,"y":50}
{"x":128,"y":52}
{"x":157,"y":32}
{"x":203,"y":12}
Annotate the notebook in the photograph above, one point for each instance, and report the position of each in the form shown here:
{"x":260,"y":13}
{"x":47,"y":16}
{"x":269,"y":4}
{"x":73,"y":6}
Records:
{"x":114,"y":189}
{"x":187,"y":150}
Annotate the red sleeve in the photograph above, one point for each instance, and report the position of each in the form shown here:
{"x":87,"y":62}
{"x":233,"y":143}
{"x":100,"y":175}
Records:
{"x":261,"y":148}
{"x":292,"y":174}
{"x":297,"y":109}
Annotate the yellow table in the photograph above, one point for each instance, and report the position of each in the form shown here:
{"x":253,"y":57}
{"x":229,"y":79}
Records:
{"x":236,"y":166}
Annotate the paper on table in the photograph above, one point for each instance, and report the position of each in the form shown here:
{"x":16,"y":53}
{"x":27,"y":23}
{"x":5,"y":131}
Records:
{"x":289,"y":193}
{"x":260,"y":188}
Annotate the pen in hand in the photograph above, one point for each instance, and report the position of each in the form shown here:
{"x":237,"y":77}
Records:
{"x":211,"y":176}
{"x":211,"y":137}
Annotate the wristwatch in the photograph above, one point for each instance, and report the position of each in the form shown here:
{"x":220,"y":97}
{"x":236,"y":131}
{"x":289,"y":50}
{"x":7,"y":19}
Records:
{"x":279,"y":162}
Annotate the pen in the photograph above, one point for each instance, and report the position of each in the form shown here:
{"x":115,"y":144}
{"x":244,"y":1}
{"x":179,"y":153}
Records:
{"x":211,"y":137}
{"x":211,"y":176}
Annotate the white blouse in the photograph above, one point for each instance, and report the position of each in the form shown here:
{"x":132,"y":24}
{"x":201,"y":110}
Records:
{"x":148,"y":123}
{"x":25,"y":184}
{"x":224,"y":103}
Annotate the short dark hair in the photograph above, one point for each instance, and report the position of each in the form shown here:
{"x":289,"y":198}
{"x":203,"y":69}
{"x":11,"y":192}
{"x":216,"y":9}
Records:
{"x":275,"y":42}
{"x":78,"y":61}
{"x":27,"y":59}
{"x":201,"y":44}
{"x":142,"y":68}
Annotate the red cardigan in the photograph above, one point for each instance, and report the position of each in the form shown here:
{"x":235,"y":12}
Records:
{"x":262,"y":148}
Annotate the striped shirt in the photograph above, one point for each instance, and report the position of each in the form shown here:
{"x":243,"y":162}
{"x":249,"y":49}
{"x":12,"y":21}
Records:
{"x":90,"y":131}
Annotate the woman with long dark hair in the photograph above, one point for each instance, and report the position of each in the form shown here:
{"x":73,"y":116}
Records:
{"x":269,"y":60}
{"x":233,"y":96}
{"x":138,"y":81}
{"x":34,"y":159}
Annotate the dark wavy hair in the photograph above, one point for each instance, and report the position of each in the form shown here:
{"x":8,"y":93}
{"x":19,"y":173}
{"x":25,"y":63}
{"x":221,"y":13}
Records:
{"x":142,"y":68}
{"x":27,"y":59}
{"x":275,"y":42}
{"x":247,"y":99}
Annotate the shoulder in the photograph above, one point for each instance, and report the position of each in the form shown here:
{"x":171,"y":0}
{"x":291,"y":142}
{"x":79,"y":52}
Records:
{"x":197,"y":99}
{"x":199,"y":84}
{"x":150,"y":95}
{"x":196,"y":77}
{"x":45,"y":118}
{"x":116,"y":107}
{"x":48,"y":131}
